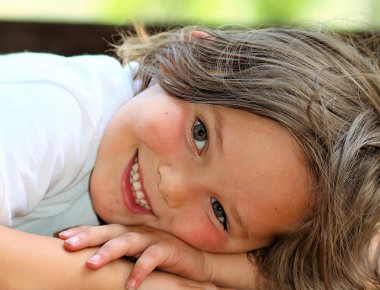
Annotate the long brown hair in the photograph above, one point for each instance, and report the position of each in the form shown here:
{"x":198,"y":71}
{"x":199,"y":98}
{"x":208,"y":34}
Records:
{"x":325,"y":89}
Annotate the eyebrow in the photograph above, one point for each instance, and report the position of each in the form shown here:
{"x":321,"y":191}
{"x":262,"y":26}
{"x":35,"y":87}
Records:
{"x":243,"y":233}
{"x":218,"y":125}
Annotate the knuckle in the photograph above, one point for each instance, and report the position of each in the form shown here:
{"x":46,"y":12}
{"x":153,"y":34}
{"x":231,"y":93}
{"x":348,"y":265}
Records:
{"x":141,"y":268}
{"x":152,"y":253}
{"x":106,"y":251}
{"x":85,"y":233}
{"x":114,"y":229}
{"x":130,"y":236}
{"x":81,"y":228}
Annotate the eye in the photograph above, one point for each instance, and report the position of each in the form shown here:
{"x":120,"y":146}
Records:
{"x":219,"y":212}
{"x":199,"y":135}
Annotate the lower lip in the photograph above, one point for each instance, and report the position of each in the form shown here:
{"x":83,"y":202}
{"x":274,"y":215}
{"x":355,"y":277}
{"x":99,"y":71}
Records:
{"x":128,"y":198}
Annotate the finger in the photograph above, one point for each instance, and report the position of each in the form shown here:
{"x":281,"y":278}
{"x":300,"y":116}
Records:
{"x":90,"y":236}
{"x":128,"y":244}
{"x":75,"y":238}
{"x":64,"y":235}
{"x":152,"y":257}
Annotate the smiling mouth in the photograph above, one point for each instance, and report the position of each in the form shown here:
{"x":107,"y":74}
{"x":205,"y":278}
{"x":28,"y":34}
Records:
{"x":136,"y":186}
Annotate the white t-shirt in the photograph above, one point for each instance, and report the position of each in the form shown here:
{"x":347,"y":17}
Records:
{"x":53,"y":112}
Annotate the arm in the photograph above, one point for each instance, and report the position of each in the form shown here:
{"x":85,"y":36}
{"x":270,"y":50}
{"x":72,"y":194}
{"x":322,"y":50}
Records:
{"x":38,"y":262}
{"x":155,"y":248}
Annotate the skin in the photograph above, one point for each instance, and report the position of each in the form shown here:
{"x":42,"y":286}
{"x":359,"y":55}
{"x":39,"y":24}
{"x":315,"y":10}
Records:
{"x":39,"y":262}
{"x":157,"y":249}
{"x":251,"y":165}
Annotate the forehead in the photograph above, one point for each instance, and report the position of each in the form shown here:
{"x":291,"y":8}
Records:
{"x":265,"y":180}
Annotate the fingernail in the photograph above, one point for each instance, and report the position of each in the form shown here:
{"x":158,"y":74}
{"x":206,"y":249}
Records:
{"x":94,"y":259}
{"x":65,"y":233}
{"x":131,"y":284}
{"x":73,"y":240}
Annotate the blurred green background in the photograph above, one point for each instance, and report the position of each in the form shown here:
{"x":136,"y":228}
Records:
{"x":338,"y":13}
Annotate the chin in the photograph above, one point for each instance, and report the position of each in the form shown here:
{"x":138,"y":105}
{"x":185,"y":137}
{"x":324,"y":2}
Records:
{"x":105,"y":212}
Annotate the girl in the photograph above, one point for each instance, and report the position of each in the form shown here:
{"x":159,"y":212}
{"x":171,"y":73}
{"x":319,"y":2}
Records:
{"x":313,"y":224}
{"x":305,"y":106}
{"x":53,"y":114}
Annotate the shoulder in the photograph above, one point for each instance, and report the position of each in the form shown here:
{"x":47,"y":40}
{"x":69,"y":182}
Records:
{"x":94,"y":84}
{"x":51,"y":68}
{"x":26,"y":58}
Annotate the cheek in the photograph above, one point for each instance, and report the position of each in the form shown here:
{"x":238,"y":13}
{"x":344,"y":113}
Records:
{"x":107,"y":211}
{"x":165,"y":130}
{"x":199,"y":233}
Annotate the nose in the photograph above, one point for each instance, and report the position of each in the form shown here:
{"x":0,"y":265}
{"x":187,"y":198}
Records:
{"x":179,"y":186}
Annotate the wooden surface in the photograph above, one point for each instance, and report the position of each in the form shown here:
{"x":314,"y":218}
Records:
{"x":65,"y":39}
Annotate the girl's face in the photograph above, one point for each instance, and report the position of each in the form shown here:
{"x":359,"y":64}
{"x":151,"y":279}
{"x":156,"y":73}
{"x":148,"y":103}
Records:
{"x":223,"y":180}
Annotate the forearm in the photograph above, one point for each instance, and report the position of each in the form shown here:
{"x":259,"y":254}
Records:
{"x":232,"y":270}
{"x":36,"y":262}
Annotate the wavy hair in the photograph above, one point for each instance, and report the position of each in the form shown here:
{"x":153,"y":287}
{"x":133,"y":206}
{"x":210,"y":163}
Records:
{"x":325,"y":89}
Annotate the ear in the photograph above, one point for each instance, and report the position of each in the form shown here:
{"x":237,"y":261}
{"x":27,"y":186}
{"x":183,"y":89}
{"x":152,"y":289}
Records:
{"x":200,"y":37}
{"x":198,"y":34}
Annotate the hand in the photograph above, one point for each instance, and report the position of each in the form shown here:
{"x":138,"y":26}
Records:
{"x":152,"y":247}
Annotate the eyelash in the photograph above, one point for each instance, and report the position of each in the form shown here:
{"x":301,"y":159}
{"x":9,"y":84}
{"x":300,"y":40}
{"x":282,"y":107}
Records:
{"x":217,"y":206}
{"x":198,"y":122}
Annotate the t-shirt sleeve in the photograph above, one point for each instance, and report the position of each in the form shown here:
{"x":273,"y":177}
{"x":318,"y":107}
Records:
{"x":39,"y":142}
{"x":53,"y":111}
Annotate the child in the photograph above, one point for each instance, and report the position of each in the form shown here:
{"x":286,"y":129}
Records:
{"x":54,"y":112}
{"x":325,"y":91}
{"x":305,"y":106}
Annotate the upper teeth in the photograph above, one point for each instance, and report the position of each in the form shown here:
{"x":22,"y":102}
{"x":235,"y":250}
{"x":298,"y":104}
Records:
{"x":136,"y":186}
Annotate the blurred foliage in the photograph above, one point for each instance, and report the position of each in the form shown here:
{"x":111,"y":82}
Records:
{"x":247,"y":12}
{"x":279,"y":12}
{"x":184,"y":11}
{"x":214,"y":12}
